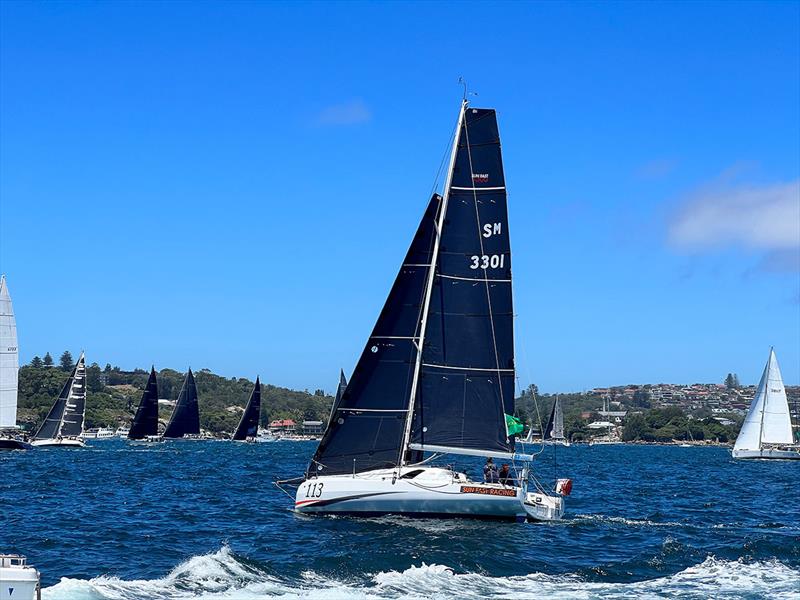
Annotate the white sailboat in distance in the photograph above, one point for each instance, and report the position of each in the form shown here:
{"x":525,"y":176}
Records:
{"x":9,"y":373}
{"x":437,"y":374}
{"x":767,"y":428}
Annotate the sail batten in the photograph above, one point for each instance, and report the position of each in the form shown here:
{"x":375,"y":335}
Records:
{"x":145,"y":422}
{"x":9,"y":359}
{"x":185,"y":419}
{"x":248,"y":424}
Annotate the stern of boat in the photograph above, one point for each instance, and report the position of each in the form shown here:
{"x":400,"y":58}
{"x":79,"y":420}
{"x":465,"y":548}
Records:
{"x":543,"y":507}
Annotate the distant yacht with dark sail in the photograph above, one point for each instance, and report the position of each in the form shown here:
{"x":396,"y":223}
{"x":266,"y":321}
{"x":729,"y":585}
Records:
{"x":63,"y":425}
{"x":185,"y":419}
{"x":145,"y":423}
{"x":437,"y":374}
{"x":554,"y":431}
{"x":248,"y":425}
{"x":9,"y":373}
{"x":767,"y":428}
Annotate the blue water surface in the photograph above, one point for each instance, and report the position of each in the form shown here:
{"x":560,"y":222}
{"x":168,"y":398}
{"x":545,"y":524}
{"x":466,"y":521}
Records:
{"x":195,"y":519}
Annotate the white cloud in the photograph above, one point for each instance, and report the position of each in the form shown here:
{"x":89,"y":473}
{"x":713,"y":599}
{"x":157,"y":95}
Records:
{"x":765,"y":217}
{"x":348,"y":113}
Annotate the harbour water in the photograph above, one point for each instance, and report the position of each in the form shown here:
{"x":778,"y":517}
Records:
{"x":204,"y":520}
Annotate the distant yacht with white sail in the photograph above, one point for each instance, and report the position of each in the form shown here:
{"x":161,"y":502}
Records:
{"x":63,"y":425}
{"x":247,"y":430}
{"x":767,"y":428}
{"x":437,"y":374}
{"x":9,"y":373}
{"x":185,"y":419}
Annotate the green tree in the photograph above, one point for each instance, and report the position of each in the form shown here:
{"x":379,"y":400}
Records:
{"x":730,"y":381}
{"x":36,"y":362}
{"x":641,"y":399}
{"x":66,"y":362}
{"x":635,"y":428}
{"x":93,"y":381}
{"x":48,"y":360}
{"x":736,"y":383}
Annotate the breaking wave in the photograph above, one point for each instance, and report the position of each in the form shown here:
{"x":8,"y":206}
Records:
{"x":223,"y":575}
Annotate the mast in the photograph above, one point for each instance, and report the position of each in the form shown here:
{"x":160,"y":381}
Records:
{"x":429,"y":284}
{"x":764,"y":403}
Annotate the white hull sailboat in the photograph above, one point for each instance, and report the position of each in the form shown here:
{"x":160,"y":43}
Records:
{"x":63,"y":425}
{"x":437,"y":374}
{"x":9,"y":374}
{"x":767,"y":428}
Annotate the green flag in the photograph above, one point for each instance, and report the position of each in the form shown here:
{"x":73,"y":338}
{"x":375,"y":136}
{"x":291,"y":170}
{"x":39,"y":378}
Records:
{"x":514,"y":425}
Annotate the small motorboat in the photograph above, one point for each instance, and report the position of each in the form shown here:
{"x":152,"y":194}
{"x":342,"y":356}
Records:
{"x":18,"y":580}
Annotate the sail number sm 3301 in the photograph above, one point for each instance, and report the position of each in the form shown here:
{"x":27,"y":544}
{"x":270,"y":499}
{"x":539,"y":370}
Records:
{"x":486,"y":261}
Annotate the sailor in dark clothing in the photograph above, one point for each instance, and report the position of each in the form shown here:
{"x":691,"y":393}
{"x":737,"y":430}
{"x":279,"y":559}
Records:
{"x":490,"y":471}
{"x":506,"y":478}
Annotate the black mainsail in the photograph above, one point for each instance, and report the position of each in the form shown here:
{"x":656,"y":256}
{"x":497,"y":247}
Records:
{"x":248,"y":425}
{"x":437,"y":373}
{"x":65,"y":418}
{"x":467,"y":366}
{"x":145,"y":423}
{"x":366,"y":429}
{"x":185,"y":419}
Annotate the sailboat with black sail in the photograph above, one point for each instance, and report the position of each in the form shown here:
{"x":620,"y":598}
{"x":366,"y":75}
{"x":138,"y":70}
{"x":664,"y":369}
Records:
{"x":436,"y":375}
{"x":767,"y":428}
{"x":185,"y":419}
{"x":554,"y":431}
{"x":248,"y":425}
{"x":145,"y":423}
{"x":63,"y":425}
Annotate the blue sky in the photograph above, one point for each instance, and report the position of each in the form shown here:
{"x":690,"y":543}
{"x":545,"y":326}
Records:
{"x":234,"y":185}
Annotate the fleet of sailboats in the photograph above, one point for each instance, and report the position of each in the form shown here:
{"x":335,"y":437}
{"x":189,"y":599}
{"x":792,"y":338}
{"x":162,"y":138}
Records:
{"x":436,"y":375}
{"x":767,"y":428}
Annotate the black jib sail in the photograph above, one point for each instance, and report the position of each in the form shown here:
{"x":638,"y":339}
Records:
{"x":467,"y":372}
{"x":339,"y":393}
{"x":367,"y":427}
{"x":65,"y":418}
{"x":145,"y":423}
{"x":248,"y":425}
{"x":185,"y":419}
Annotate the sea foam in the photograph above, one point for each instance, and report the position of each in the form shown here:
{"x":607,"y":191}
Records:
{"x":221,"y":575}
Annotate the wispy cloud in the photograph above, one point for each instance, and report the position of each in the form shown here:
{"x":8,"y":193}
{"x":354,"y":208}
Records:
{"x":348,"y":113}
{"x":759,"y":217}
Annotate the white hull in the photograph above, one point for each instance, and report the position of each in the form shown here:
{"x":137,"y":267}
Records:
{"x":768,"y":453}
{"x":18,"y":581}
{"x":432,"y":492}
{"x":63,"y":443}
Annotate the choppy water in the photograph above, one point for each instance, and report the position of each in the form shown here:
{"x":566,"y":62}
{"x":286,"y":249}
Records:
{"x":203,"y":520}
